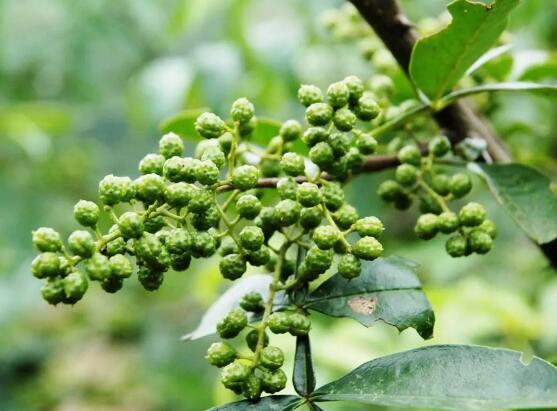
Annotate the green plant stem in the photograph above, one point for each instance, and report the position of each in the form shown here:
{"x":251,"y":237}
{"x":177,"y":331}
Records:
{"x":440,"y":200}
{"x":331,"y":221}
{"x":232,"y":153}
{"x":400,"y":120}
{"x":229,"y":225}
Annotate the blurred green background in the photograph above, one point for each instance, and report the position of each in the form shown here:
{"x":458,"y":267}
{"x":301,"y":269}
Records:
{"x":83,"y":87}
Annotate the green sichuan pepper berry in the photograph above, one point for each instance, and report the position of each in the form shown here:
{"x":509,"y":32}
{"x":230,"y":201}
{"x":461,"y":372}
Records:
{"x":290,"y":130}
{"x":46,"y":264}
{"x":209,"y":125}
{"x":333,"y":195}
{"x":314,"y":135}
{"x":242,"y":110}
{"x":120,"y":266}
{"x":439,"y":146}
{"x":299,"y":324}
{"x":246,"y":129}
{"x":426,"y":226}
{"x":471,"y":215}
{"x":344,"y":119}
{"x":273,"y":381}
{"x":65,"y":267}
{"x":253,"y":387}
{"x":201,"y":201}
{"x":235,"y":372}
{"x":207,"y":173}
{"x":245,"y":177}
{"x":355,"y":88}
{"x":248,"y":206}
{"x":367,"y":248}
{"x":81,"y":243}
{"x":150,"y":279}
{"x":349,"y":266}
{"x":441,"y":184}
{"x":287,"y":188}
{"x":460,"y":185}
{"x":252,"y":301}
{"x":366,"y":143}
{"x":480,"y":241}
{"x":220,"y":354}
{"x":259,"y":257}
{"x":114,"y":190}
{"x":457,"y":246}
{"x":272,"y":358}
{"x":216,"y":155}
{"x":325,"y":236}
{"x":203,"y":245}
{"x":171,"y":145}
{"x":367,"y":109}
{"x":447,"y":222}
{"x":173,"y":169}
{"x":310,"y":217}
{"x":279,"y":322}
{"x":189,"y":169}
{"x":97,"y":267}
{"x":309,"y":94}
{"x":345,"y":216}
{"x":318,"y":261}
{"x":319,"y":114}
{"x":150,"y":188}
{"x":112,"y":284}
{"x":406,"y":174}
{"x":390,"y":191}
{"x":179,"y":241}
{"x":86,"y":213}
{"x":53,"y":291}
{"x":340,"y":143}
{"x":489,"y":227}
{"x":269,"y":167}
{"x":148,"y":248}
{"x":232,"y":266}
{"x":252,"y":338}
{"x":369,"y":226}
{"x":231,"y":325}
{"x":338,"y":94}
{"x":75,"y":286}
{"x":287,"y":212}
{"x":154,"y":224}
{"x":130,"y":225}
{"x":205,"y":220}
{"x":180,"y":262}
{"x":410,"y":155}
{"x":152,"y":164}
{"x":47,"y":239}
{"x":308,"y":194}
{"x":292,"y":164}
{"x":117,"y":246}
{"x":251,"y":238}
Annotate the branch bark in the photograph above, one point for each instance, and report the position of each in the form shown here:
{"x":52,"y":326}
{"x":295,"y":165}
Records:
{"x":458,"y":120}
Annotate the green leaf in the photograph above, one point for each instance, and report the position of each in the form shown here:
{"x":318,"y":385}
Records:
{"x":387,"y":289}
{"x":487,"y":57}
{"x":183,"y":124}
{"x":440,"y":60}
{"x":449,"y":377}
{"x":229,"y":300}
{"x":527,"y":196}
{"x":271,"y":403}
{"x":304,"y":377}
{"x":541,"y":71}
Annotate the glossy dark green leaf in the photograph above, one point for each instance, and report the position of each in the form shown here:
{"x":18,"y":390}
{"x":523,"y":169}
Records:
{"x":527,"y":196}
{"x":387,"y":289}
{"x":449,"y":377}
{"x":440,"y":60}
{"x":271,"y":403}
{"x":183,"y":124}
{"x":304,"y":376}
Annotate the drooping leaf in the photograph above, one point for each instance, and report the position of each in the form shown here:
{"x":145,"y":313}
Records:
{"x":183,"y":124}
{"x":449,"y":377}
{"x":228,"y":301}
{"x":487,"y":57}
{"x":387,"y":289}
{"x":440,"y":60}
{"x":304,"y":377}
{"x":527,"y":196}
{"x":271,"y":403}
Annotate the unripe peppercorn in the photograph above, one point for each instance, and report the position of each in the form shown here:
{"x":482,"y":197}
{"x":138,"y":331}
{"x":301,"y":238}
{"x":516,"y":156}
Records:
{"x":251,"y":238}
{"x":174,"y":169}
{"x":299,"y":324}
{"x":367,"y":109}
{"x":215,"y":155}
{"x":231,"y":325}
{"x":457,"y":246}
{"x":245,"y":130}
{"x":460,"y":185}
{"x":406,"y":174}
{"x":97,"y":267}
{"x":308,"y":194}
{"x":189,"y":169}
{"x":272,"y":358}
{"x":112,"y":284}
{"x":65,"y":266}
{"x":248,"y":206}
{"x":252,"y":339}
{"x":367,"y":248}
{"x":53,"y":291}
{"x":220,"y":354}
{"x":410,"y":155}
{"x":340,"y":143}
{"x":252,"y":387}
{"x":242,"y":110}
{"x":319,"y":114}
{"x":86,"y":213}
{"x":245,"y":177}
{"x":154,"y":224}
{"x":314,"y":135}
{"x":287,"y":188}
{"x":180,"y":262}
{"x":259,"y":257}
{"x":279,"y":322}
{"x":252,"y":301}
{"x":45,"y":265}
{"x":471,"y":215}
{"x":367,"y":144}
{"x":426,"y":226}
{"x":150,"y":188}
{"x":309,"y":94}
{"x":369,"y":227}
{"x":152,"y":164}
{"x":232,"y":266}
{"x":209,"y":125}
{"x":178,"y":195}
{"x":325,"y":236}
{"x":75,"y":286}
{"x":349,"y":266}
{"x":171,"y":145}
{"x":310,"y":217}
{"x":287,"y":212}
{"x":480,"y":241}
{"x":345,"y":216}
{"x":317,"y":260}
{"x":267,"y":220}
{"x":429,"y":204}
{"x":447,"y":222}
{"x":203,"y":245}
{"x":292,"y":164}
{"x":120,"y":266}
{"x":81,"y":243}
{"x":333,"y":195}
{"x":201,"y":201}
{"x":441,"y":184}
{"x":47,"y":239}
{"x":273,"y":381}
{"x":179,"y":241}
{"x":207,"y":173}
{"x":338,"y":94}
{"x":390,"y":191}
{"x":225,"y":142}
{"x":148,"y":248}
{"x":344,"y":119}
{"x":235,"y":372}
{"x":150,"y":279}
{"x":130,"y":225}
{"x":114,"y":190}
{"x":439,"y":146}
{"x":117,"y":246}
{"x":489,"y":227}
{"x":290,"y":130}
{"x":355,"y":88}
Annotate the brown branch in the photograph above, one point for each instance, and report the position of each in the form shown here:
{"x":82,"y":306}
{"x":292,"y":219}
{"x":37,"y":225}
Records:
{"x":458,"y":120}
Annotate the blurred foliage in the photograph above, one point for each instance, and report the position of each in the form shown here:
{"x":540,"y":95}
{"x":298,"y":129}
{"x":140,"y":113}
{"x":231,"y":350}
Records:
{"x":83,"y":86}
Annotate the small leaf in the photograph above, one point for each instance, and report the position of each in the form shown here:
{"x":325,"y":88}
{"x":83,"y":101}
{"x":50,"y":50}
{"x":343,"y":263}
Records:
{"x":183,"y":124}
{"x":271,"y":403}
{"x":387,"y":289}
{"x":228,"y":301}
{"x":304,"y":377}
{"x":527,"y":196}
{"x":440,"y":60}
{"x":487,"y":57}
{"x":449,"y":377}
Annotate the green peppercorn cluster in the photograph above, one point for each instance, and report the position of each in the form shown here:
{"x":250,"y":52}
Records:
{"x":423,"y":178}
